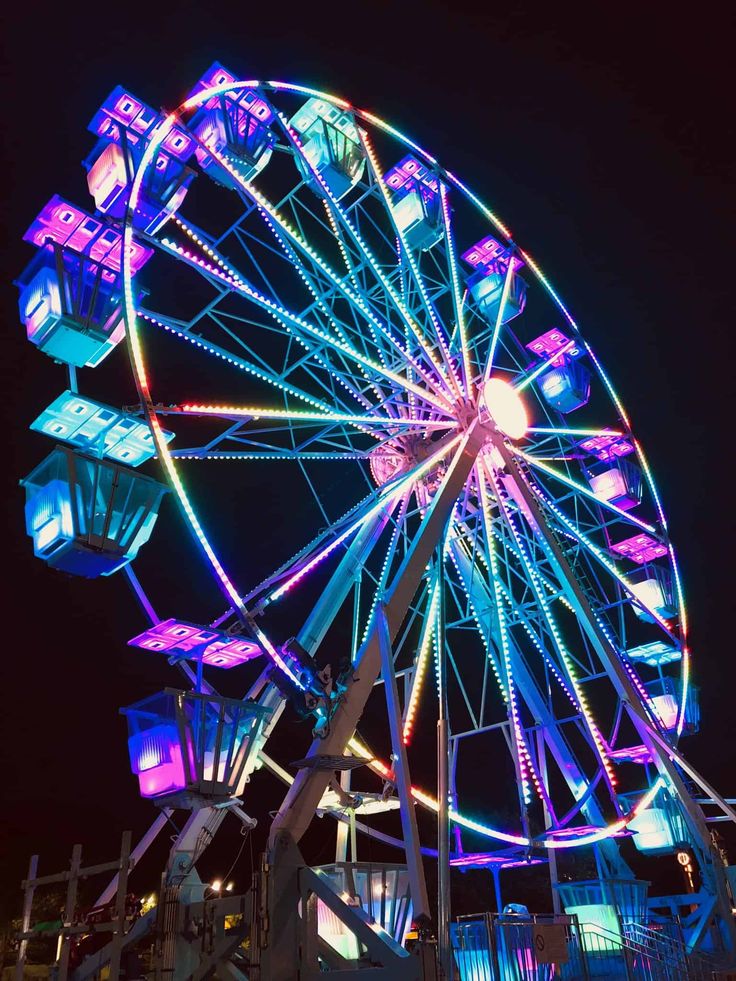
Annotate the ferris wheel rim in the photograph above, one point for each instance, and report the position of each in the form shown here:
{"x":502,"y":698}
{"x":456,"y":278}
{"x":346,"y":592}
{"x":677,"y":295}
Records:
{"x":167,"y":460}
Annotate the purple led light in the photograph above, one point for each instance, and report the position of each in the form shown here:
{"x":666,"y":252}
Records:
{"x":408,"y":173}
{"x":640,"y":548}
{"x":197,"y":643}
{"x":632,"y":754}
{"x":607,"y":447}
{"x":123,"y":110}
{"x":484,"y":860}
{"x":70,"y":226}
{"x":550,"y":343}
{"x":489,"y":250}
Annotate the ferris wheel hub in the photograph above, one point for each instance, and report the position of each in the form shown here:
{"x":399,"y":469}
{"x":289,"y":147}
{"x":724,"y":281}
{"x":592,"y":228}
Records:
{"x":505,"y":407}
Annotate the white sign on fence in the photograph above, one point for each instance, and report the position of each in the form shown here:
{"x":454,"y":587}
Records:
{"x":550,"y":943}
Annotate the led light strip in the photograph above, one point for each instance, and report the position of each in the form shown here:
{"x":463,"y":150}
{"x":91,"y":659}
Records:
{"x":456,"y":294}
{"x":279,"y":313}
{"x":259,"y":412}
{"x":595,"y":733}
{"x":265,"y":205}
{"x":425,"y":643}
{"x":406,"y":252}
{"x":427,"y":800}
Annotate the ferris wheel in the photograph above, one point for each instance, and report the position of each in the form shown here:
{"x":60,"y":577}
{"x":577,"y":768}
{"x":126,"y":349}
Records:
{"x":368,"y":404}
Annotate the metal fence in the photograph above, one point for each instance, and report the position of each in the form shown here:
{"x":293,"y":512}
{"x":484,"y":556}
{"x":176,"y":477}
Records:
{"x":493,"y":947}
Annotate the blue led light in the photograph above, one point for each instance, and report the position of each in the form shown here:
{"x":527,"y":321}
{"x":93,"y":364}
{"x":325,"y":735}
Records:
{"x":95,"y":427}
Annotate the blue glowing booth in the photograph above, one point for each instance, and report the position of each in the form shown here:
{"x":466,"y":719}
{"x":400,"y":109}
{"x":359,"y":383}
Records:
{"x":70,"y":293}
{"x":125,"y":126}
{"x":381,"y":890}
{"x":652,"y":586}
{"x":71,"y":307}
{"x":87,"y":516}
{"x":416,"y":204}
{"x":618,"y":482}
{"x":490,"y":261}
{"x":234,"y":125}
{"x":189,"y":745}
{"x":331,"y":144}
{"x":659,"y":829}
{"x":664,"y":698}
{"x":605,"y":903}
{"x":566,"y":386}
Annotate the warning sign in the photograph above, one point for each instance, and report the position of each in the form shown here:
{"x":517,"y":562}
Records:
{"x":550,"y":943}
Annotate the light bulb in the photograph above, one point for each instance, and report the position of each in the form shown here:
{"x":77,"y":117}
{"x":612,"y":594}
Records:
{"x":505,"y":407}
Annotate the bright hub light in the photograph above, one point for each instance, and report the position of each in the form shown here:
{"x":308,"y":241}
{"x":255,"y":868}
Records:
{"x":505,"y":407}
{"x":216,"y":885}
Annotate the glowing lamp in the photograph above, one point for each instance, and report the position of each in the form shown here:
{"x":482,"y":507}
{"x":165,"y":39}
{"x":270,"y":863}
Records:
{"x":566,"y":387}
{"x":618,"y":483}
{"x":656,"y":653}
{"x":653,"y":831}
{"x":640,"y":548}
{"x":505,"y":407}
{"x":654,"y":591}
{"x":188,"y":640}
{"x":191,"y":745}
{"x":91,"y":425}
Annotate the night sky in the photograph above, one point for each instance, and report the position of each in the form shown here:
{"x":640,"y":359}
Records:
{"x":604,"y":138}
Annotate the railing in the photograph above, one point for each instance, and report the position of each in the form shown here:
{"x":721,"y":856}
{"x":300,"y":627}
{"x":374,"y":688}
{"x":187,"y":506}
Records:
{"x":489,"y":947}
{"x":492,"y":947}
{"x":665,"y":941}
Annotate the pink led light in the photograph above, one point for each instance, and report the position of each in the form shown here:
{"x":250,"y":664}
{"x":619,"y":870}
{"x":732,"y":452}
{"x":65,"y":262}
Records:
{"x":607,"y":447}
{"x":632,"y":754}
{"x":489,"y":250}
{"x":550,"y":343}
{"x":640,"y":548}
{"x":197,"y":643}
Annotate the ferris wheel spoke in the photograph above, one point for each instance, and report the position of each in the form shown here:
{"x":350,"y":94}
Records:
{"x":437,"y":329}
{"x":566,"y":662}
{"x":585,"y":491}
{"x":281,"y":314}
{"x":283,"y":321}
{"x":566,"y":760}
{"x":358,"y":241}
{"x":493,"y":343}
{"x":306,"y":417}
{"x":395,"y":491}
{"x":294,"y":238}
{"x":457,"y":299}
{"x":343,"y":329}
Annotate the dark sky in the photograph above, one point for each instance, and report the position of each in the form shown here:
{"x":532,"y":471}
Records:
{"x":603,"y":136}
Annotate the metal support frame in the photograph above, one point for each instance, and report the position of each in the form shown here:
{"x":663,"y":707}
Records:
{"x":70,"y":928}
{"x":306,"y":791}
{"x":402,"y":780}
{"x":301,"y":801}
{"x":710,"y":862}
